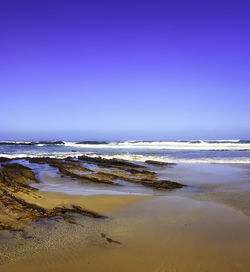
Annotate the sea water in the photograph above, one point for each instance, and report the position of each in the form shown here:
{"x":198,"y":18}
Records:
{"x":200,"y":151}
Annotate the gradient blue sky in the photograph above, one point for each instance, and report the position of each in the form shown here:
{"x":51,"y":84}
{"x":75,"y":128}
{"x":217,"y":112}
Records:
{"x":124,"y":69}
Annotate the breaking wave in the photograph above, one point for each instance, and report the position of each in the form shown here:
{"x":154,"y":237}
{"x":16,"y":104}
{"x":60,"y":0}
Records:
{"x":169,"y":159}
{"x":198,"y":151}
{"x":168,"y":145}
{"x":240,"y":145}
{"x":132,"y":157}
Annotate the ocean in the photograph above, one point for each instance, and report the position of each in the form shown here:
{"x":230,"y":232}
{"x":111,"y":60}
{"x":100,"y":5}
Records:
{"x":198,"y":151}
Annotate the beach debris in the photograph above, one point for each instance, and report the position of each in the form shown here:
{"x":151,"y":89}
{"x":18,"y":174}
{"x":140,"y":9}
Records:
{"x":110,"y":240}
{"x":113,"y":241}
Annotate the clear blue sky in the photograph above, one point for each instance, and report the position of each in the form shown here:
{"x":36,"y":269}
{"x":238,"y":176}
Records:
{"x":124,"y":69}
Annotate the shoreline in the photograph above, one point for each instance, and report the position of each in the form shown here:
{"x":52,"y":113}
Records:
{"x":138,"y":228}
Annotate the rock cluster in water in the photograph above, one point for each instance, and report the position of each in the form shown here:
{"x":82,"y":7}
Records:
{"x":15,"y":180}
{"x":34,"y":143}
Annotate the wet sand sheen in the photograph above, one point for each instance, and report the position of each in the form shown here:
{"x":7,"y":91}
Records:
{"x":99,"y":203}
{"x":158,"y":234}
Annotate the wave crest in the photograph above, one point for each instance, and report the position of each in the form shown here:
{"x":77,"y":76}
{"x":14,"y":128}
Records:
{"x":167,"y":145}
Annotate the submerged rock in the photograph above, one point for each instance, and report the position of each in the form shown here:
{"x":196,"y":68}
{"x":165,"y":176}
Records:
{"x":132,"y":173}
{"x":75,"y":169}
{"x":128,"y":171}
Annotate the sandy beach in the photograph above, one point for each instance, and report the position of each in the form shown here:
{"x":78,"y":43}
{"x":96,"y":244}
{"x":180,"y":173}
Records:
{"x":159,"y":234}
{"x":202,"y":227}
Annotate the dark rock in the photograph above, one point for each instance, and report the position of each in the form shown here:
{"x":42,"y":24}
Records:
{"x":130,"y":172}
{"x":16,"y":176}
{"x":50,"y":142}
{"x":109,"y":162}
{"x":159,"y":163}
{"x":16,"y":143}
{"x":33,"y":143}
{"x":162,"y":184}
{"x":4,"y":159}
{"x":71,"y":168}
{"x":113,"y":241}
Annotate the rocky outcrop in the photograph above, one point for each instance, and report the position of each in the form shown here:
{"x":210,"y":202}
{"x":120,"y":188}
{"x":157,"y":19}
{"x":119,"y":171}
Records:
{"x":32,"y":143}
{"x":159,"y":163}
{"x":16,"y":143}
{"x":15,"y":210}
{"x":15,"y":180}
{"x":75,"y":169}
{"x":108,"y":171}
{"x":132,"y":172}
{"x":114,"y":163}
{"x":108,"y":174}
{"x":161,"y":184}
{"x":50,"y":142}
{"x":4,"y":159}
{"x":16,"y":176}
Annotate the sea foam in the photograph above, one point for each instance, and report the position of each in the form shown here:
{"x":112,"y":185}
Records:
{"x":168,"y":145}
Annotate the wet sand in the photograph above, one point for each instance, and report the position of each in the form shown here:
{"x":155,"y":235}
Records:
{"x":160,"y":234}
{"x":204,"y":227}
{"x":226,"y":184}
{"x":102,"y":204}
